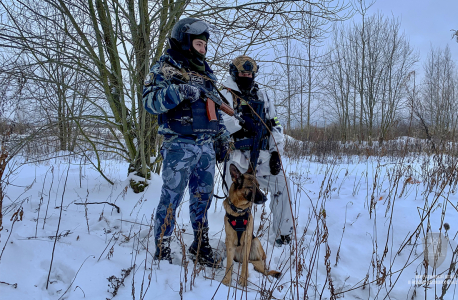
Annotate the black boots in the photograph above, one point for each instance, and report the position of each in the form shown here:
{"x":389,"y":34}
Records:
{"x":283,"y":240}
{"x":201,"y":249}
{"x":163,"y":251}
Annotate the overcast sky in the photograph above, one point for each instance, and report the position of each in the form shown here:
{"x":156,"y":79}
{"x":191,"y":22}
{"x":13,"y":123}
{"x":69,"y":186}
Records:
{"x":425,"y":22}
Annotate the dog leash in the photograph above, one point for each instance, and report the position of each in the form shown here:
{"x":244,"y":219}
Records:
{"x":224,"y":184}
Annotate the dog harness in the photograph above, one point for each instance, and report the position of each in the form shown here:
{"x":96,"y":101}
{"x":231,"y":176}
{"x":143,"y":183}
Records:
{"x":239,"y":224}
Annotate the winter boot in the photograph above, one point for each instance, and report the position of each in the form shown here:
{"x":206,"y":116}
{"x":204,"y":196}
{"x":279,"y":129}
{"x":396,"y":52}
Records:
{"x":163,"y":251}
{"x":201,"y":249}
{"x":283,"y":240}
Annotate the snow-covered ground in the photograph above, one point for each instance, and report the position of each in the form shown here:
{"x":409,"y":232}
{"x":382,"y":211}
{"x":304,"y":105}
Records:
{"x":357,"y":223}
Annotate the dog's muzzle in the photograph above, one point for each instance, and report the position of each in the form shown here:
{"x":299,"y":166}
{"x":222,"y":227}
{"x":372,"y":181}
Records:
{"x":259,"y":197}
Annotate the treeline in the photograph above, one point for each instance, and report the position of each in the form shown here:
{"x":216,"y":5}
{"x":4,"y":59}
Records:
{"x":364,"y":86}
{"x":67,"y":66}
{"x":70,"y":68}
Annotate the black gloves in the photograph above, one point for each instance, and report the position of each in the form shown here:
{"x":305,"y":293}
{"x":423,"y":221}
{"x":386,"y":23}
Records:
{"x":189,"y":92}
{"x":274,"y":163}
{"x":221,"y":151}
{"x":249,"y":124}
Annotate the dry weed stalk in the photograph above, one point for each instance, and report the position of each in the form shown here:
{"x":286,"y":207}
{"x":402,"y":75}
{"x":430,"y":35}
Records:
{"x":58,"y":227}
{"x":49,"y":197}
{"x":71,"y":283}
{"x":14,"y":285}
{"x":117,"y":282}
{"x":184,"y":261}
{"x":41,"y":201}
{"x":17,"y":216}
{"x":150,"y":232}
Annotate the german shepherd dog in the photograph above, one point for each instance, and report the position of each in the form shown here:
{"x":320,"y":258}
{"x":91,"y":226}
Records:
{"x":241,"y":245}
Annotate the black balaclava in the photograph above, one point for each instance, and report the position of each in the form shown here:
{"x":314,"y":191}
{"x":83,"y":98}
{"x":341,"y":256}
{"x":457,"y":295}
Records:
{"x":243,"y":63}
{"x":245,"y":83}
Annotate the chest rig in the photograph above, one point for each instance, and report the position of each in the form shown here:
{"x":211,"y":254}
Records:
{"x":190,"y":118}
{"x":244,"y":140}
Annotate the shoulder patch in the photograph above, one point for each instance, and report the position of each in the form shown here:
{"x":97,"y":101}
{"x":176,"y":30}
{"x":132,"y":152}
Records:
{"x":149,"y":79}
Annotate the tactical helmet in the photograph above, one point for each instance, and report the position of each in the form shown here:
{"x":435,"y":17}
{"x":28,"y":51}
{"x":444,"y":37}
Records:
{"x":186,"y":27}
{"x":243,"y":63}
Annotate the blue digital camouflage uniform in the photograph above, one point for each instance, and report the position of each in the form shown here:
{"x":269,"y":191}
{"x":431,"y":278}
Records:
{"x":183,"y":162}
{"x":188,"y":159}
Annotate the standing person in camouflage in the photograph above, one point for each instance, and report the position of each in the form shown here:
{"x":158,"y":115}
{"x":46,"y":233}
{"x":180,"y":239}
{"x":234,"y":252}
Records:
{"x":172,"y":92}
{"x":240,"y":90}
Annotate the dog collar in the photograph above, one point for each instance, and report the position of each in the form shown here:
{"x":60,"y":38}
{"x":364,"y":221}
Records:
{"x":236,"y":209}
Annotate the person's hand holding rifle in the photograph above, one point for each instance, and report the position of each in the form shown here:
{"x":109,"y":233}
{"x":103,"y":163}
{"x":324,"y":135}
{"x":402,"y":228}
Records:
{"x":220,"y":101}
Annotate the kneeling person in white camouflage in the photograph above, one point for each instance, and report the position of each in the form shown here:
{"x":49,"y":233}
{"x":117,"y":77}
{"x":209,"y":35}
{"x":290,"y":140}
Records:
{"x":254,"y":144}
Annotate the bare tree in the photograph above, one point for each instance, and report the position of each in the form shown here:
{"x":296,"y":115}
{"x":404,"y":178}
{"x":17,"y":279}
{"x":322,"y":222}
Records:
{"x":399,"y":60}
{"x":339,"y":79}
{"x":439,"y":92}
{"x":360,"y":48}
{"x":111,"y":44}
{"x":315,"y":31}
{"x":371,"y":59}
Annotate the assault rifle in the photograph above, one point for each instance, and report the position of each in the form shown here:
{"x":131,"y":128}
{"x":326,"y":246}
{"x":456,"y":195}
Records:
{"x":211,"y":100}
{"x":223,"y":105}
{"x":261,"y":139}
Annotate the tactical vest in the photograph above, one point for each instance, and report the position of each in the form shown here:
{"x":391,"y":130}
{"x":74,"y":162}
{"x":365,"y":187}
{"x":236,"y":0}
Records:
{"x":245,"y":140}
{"x":190,"y":118}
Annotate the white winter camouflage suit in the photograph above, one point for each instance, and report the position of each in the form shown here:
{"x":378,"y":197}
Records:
{"x":275,"y":184}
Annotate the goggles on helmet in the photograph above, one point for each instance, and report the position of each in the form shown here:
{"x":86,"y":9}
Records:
{"x":240,"y":66}
{"x":186,"y":27}
{"x":195,"y":28}
{"x":245,"y":64}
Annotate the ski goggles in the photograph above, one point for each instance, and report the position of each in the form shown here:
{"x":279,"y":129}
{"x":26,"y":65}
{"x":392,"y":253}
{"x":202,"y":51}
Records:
{"x":196,"y":28}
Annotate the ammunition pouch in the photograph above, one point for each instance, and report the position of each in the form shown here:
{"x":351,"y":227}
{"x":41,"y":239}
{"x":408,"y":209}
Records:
{"x":189,"y":119}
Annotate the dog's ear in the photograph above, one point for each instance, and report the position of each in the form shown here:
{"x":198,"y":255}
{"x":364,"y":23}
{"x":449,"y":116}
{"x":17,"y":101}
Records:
{"x":235,"y":173}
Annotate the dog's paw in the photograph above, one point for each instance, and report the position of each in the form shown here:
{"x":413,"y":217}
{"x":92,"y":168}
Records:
{"x":243,"y":282}
{"x":274,"y":274}
{"x":226,"y":281}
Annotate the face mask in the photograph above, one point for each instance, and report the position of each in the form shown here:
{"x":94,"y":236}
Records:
{"x":196,"y":60}
{"x":244,"y":83}
{"x":197,"y":54}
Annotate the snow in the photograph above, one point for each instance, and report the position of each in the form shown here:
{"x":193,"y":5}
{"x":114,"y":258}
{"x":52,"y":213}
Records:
{"x":332,"y":204}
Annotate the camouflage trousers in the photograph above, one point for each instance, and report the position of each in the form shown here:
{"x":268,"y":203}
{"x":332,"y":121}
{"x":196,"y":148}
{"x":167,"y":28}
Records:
{"x":185,"y":165}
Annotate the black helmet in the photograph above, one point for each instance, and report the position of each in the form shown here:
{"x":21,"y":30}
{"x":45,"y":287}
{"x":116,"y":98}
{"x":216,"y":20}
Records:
{"x":243,"y":63}
{"x":189,"y":26}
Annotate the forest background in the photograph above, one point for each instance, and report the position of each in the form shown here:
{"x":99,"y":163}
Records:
{"x":72,"y":72}
{"x":349,"y":85}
